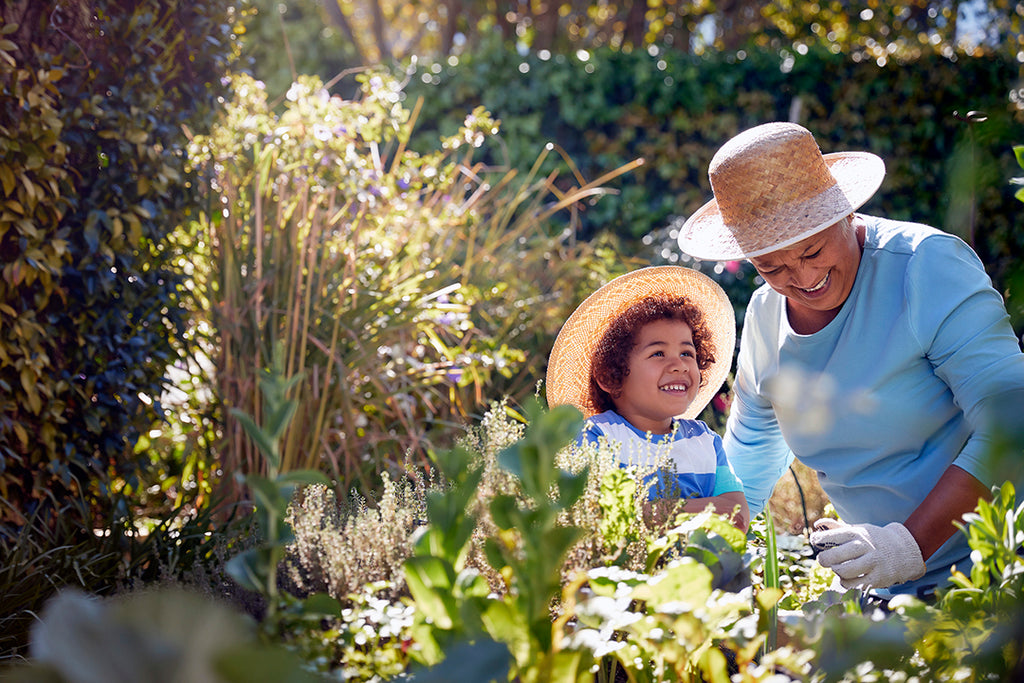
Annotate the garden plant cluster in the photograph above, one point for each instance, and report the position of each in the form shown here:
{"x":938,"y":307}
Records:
{"x":268,"y":377}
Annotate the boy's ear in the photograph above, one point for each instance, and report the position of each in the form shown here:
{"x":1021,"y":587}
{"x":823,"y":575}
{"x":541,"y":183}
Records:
{"x":606,"y":387}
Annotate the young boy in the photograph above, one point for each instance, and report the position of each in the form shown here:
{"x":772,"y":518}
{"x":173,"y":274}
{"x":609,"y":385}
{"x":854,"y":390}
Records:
{"x":641,"y":358}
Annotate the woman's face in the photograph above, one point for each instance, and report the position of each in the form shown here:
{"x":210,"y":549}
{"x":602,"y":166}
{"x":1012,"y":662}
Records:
{"x":815,"y":275}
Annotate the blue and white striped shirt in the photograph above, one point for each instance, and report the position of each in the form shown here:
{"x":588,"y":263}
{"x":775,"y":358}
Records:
{"x":691,"y":461}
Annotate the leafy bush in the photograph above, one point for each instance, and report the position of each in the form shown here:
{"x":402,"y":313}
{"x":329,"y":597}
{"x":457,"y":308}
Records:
{"x":94,"y":182}
{"x":607,"y":107}
{"x":691,"y":614}
{"x":46,"y":555}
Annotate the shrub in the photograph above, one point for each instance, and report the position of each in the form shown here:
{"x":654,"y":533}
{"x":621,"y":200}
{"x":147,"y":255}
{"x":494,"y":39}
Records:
{"x":403,"y":288}
{"x":94,"y":182}
{"x":608,"y":107}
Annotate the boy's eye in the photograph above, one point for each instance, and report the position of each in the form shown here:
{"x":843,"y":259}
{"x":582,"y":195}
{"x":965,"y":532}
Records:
{"x":657,"y":354}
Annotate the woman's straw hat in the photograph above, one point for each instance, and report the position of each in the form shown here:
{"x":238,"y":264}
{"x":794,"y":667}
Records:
{"x":773,"y":188}
{"x":569,"y":366}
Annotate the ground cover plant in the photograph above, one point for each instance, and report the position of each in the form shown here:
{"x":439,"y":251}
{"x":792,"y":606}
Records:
{"x":701,"y":606}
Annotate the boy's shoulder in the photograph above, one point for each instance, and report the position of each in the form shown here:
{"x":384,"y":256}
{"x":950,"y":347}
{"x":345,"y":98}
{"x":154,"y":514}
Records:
{"x":610,"y":423}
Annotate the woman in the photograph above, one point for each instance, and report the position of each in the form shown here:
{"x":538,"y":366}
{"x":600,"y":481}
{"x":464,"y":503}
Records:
{"x":877,"y":353}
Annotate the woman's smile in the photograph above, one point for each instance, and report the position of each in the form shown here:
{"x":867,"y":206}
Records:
{"x":819,"y":288}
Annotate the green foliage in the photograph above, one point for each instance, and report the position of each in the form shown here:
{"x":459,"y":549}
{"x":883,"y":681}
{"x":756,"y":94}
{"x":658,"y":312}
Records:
{"x":673,"y":625}
{"x":1018,"y":152}
{"x":180,"y":634}
{"x":978,"y":625}
{"x":256,"y":569}
{"x":381,"y":32}
{"x":406,"y":289}
{"x":973,"y":631}
{"x":1013,"y":292}
{"x":529,"y":550}
{"x":675,"y":110}
{"x":46,"y":555}
{"x":94,"y":183}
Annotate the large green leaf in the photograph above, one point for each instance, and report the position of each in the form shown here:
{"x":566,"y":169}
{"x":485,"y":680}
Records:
{"x":248,"y":663}
{"x":482,"y":661}
{"x":249,"y":568}
{"x":430,"y":581}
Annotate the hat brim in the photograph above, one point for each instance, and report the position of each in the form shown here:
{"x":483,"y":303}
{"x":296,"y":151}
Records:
{"x":705,"y":235}
{"x":569,"y":366}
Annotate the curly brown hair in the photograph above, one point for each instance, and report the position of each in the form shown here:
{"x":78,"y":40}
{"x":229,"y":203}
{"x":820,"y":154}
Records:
{"x":610,"y":361}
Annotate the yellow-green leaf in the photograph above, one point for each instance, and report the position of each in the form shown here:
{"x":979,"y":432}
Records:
{"x":21,"y":434}
{"x":7,"y":179}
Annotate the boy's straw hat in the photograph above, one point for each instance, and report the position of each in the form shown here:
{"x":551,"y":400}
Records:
{"x":773,"y":188}
{"x":568,"y":376}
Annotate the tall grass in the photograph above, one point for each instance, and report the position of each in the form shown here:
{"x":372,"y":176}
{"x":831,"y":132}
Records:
{"x":400,"y":285}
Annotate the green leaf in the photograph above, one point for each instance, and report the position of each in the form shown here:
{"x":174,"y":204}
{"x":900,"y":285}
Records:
{"x":266,"y":445}
{"x":686,"y":580}
{"x":267,"y":494}
{"x":249,"y":569}
{"x":276,"y":422}
{"x":1018,"y":151}
{"x":571,"y":487}
{"x":321,"y":605}
{"x":430,"y":582}
{"x":504,"y":511}
{"x":253,"y":662}
{"x":483,"y":661}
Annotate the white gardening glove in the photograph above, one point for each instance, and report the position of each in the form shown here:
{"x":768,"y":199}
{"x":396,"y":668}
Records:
{"x":866,"y":555}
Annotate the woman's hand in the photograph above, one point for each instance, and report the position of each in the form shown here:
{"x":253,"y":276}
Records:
{"x":866,"y":555}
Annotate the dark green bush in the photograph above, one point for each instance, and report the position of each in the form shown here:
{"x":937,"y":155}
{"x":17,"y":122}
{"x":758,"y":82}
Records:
{"x":93,"y":132}
{"x":675,"y":110}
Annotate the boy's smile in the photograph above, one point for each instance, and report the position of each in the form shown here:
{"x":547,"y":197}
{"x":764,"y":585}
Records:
{"x":663,"y":377}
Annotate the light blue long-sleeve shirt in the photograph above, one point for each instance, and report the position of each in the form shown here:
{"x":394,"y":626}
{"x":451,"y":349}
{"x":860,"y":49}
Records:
{"x":894,"y":390}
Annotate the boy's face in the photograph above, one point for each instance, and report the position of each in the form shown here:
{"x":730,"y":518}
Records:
{"x":663,"y":377}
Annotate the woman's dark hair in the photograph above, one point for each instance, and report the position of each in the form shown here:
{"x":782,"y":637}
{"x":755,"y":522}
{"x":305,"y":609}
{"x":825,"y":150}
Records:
{"x":610,"y":362}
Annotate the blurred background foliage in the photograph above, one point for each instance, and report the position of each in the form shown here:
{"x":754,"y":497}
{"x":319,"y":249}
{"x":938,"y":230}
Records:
{"x":326,"y":36}
{"x":674,"y":110}
{"x":409,"y":198}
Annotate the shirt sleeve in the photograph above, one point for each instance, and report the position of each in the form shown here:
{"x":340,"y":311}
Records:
{"x":961,"y":323}
{"x":726,"y":480}
{"x":753,"y":441}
